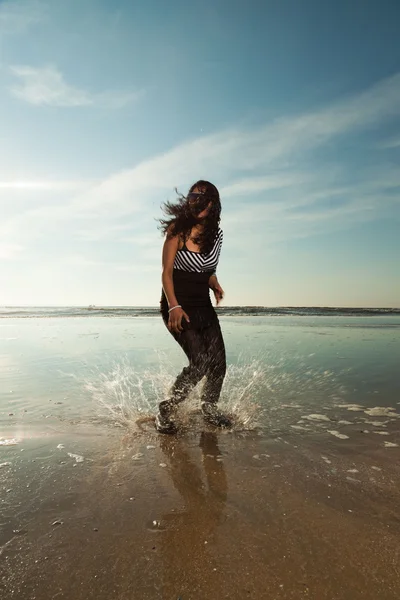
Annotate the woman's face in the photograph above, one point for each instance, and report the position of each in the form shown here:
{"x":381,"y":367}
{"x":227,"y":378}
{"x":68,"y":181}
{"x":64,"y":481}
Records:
{"x":197,"y":200}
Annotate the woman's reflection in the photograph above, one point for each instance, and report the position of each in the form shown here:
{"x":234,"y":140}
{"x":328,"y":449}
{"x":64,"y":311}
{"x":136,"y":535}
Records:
{"x":187,"y":542}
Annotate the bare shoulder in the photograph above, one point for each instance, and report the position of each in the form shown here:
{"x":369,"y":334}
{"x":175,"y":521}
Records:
{"x":170,"y":232}
{"x":174,"y":240}
{"x":170,"y":235}
{"x":171,"y":240}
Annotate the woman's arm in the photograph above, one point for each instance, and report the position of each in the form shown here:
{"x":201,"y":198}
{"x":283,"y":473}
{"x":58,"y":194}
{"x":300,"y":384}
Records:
{"x":170,"y":248}
{"x":168,"y":257}
{"x":213,"y":283}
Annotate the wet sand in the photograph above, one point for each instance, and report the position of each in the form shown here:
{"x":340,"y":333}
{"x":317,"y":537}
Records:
{"x":205,"y":515}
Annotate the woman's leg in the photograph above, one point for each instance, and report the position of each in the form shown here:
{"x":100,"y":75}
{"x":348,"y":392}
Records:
{"x":205,"y":350}
{"x":193,"y":344}
{"x":191,"y":341}
{"x":215,"y":374}
{"x":215,"y":363}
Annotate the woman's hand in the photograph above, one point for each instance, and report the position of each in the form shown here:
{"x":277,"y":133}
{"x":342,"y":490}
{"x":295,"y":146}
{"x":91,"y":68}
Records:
{"x":218,"y":293}
{"x":216,"y":288}
{"x":175,"y":320}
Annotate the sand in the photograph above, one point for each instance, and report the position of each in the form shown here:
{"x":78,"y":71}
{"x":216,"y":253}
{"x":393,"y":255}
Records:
{"x":208,"y":515}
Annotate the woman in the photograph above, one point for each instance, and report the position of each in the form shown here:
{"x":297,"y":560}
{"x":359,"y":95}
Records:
{"x":190,"y":258}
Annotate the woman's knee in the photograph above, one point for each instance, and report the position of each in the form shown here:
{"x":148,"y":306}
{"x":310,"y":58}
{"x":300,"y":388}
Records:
{"x":196,"y":370}
{"x":217,"y":367}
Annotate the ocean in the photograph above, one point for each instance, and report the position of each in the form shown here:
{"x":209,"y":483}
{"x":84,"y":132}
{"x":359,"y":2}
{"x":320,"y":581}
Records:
{"x":96,"y":504}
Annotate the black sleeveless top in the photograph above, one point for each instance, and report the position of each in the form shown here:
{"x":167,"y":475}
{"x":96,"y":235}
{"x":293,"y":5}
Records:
{"x":192,"y":271}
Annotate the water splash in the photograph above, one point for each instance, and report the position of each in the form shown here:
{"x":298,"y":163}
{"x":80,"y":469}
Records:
{"x":9,"y":442}
{"x":256,"y":393}
{"x":126,"y":393}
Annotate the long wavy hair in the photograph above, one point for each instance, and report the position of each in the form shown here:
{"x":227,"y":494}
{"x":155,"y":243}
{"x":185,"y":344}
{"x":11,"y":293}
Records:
{"x":182,"y":215}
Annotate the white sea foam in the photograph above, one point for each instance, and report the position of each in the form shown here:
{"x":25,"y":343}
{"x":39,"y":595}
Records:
{"x":316,"y":417}
{"x":382,"y":411}
{"x":137,"y":456}
{"x":326,"y":459}
{"x":8,"y":442}
{"x":78,"y":458}
{"x":337,"y":434}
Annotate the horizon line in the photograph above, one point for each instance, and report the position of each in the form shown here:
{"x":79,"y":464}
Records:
{"x":94,"y":306}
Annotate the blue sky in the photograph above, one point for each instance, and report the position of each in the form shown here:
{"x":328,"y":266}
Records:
{"x":291,"y":108}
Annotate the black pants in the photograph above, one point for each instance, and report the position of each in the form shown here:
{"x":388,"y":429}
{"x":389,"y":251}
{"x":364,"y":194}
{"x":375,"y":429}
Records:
{"x":205,"y":350}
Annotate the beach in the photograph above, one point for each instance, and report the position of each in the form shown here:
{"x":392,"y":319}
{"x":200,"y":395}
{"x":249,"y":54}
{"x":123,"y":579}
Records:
{"x":299,"y":500}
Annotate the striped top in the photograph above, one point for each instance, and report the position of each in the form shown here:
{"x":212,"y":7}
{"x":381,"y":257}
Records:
{"x":199,"y":262}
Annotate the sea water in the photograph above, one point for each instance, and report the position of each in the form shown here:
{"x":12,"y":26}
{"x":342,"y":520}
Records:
{"x":103,"y":370}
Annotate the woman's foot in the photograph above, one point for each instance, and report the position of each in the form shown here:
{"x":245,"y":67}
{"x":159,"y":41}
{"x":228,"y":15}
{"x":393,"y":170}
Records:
{"x":213,"y":416}
{"x":164,"y":423}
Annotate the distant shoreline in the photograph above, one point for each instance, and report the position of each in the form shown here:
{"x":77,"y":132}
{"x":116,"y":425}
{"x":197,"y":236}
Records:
{"x":229,"y":311}
{"x":233,"y":306}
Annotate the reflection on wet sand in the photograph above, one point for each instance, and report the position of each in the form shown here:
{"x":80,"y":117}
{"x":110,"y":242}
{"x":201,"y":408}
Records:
{"x":206,"y":516}
{"x":188,"y":536}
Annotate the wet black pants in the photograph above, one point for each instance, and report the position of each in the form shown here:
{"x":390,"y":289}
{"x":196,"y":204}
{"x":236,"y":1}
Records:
{"x":205,"y":350}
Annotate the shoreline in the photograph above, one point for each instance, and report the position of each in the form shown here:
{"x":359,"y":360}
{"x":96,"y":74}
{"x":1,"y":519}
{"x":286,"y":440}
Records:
{"x":222,"y":311}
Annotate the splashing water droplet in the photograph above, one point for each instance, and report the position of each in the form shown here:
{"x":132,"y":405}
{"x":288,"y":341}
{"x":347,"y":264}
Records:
{"x":256,"y":393}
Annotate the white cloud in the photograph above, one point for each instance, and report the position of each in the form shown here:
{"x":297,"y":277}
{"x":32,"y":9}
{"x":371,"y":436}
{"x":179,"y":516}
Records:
{"x":44,"y":185}
{"x":18,"y":15}
{"x":116,"y":99}
{"x":266,"y":149}
{"x":390,"y":143}
{"x":46,"y":86}
{"x":277,"y":160}
{"x":254,"y":185}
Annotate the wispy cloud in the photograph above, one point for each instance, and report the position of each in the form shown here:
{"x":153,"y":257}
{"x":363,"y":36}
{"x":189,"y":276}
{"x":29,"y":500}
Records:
{"x":51,"y":186}
{"x":255,"y":185}
{"x":277,"y":163}
{"x":46,"y":86}
{"x":18,"y":15}
{"x":390,"y":143}
{"x":275,"y":156}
